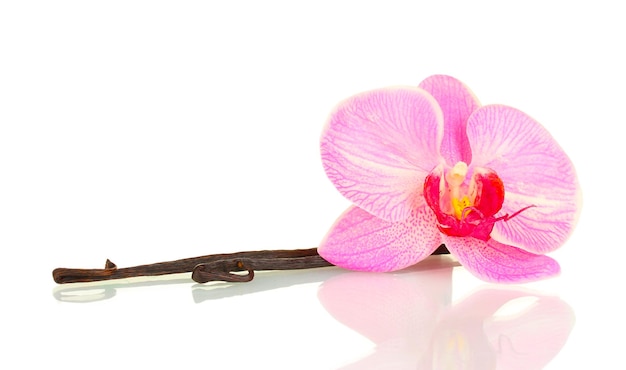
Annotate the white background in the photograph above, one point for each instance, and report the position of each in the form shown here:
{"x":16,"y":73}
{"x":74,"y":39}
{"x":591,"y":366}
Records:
{"x":145,"y":131}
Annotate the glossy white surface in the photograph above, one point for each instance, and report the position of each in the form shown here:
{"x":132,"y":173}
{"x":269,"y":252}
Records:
{"x":152,"y":131}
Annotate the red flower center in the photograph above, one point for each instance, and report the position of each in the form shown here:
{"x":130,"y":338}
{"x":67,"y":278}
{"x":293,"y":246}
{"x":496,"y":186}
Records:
{"x":462,"y":207}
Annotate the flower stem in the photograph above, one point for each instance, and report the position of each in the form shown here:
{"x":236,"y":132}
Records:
{"x":215,"y":267}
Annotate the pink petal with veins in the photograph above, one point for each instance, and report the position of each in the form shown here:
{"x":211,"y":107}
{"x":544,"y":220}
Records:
{"x":496,"y":262}
{"x":457,"y":103}
{"x":378,"y":147}
{"x":361,"y":241}
{"x":535,"y":171}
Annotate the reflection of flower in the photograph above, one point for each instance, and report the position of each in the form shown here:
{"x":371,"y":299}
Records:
{"x":409,"y":318}
{"x":429,"y":165}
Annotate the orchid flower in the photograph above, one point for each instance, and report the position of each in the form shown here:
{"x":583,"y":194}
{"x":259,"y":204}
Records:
{"x":429,"y":165}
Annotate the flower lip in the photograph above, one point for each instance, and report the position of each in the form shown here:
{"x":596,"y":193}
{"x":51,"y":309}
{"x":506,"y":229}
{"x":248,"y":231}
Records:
{"x":464,"y":209}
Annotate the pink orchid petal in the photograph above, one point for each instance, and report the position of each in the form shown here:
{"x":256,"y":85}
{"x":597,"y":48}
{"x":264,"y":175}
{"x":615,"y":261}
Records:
{"x":378,"y":147}
{"x":496,"y":262}
{"x":361,"y":241}
{"x":535,"y":171}
{"x":457,"y":103}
